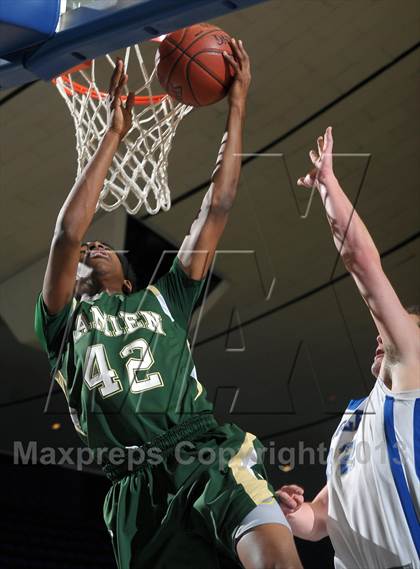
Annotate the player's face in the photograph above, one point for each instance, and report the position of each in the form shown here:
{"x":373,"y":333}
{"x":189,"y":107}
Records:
{"x":378,"y":359}
{"x":101,"y":258}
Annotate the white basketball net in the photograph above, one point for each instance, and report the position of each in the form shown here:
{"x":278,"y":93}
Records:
{"x":138,"y":174}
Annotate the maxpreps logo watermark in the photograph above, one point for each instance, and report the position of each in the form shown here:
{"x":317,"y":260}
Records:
{"x":186,"y":453}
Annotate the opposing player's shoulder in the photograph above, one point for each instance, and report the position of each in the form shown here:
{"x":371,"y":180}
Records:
{"x":382,"y":391}
{"x":405,"y":374}
{"x":351,"y":418}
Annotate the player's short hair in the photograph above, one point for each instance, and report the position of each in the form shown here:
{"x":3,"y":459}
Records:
{"x":128,"y":270}
{"x":413,"y":309}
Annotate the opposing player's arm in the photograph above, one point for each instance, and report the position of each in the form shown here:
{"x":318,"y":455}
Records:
{"x":308,"y":520}
{"x":198,"y":248}
{"x":79,"y":208}
{"x":398,"y":330}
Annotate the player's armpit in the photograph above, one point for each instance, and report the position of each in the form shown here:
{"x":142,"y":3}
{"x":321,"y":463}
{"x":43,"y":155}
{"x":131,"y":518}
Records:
{"x":180,"y":292}
{"x":406,"y":376}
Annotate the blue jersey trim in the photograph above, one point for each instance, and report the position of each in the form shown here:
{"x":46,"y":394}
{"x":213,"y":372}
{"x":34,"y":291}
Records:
{"x":416,"y":442}
{"x":355,"y":403}
{"x":398,"y":473}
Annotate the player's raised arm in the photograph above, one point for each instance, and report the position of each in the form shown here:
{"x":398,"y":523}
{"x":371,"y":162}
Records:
{"x":199,"y":246}
{"x":399,"y":331}
{"x":79,"y":208}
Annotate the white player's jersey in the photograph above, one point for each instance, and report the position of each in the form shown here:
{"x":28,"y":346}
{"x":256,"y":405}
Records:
{"x":374,"y":482}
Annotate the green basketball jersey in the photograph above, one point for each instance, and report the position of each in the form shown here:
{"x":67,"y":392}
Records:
{"x":126,"y":367}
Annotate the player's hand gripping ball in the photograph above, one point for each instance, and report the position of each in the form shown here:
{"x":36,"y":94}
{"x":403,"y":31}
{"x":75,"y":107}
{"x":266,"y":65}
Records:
{"x":192,"y":68}
{"x":121,"y":113}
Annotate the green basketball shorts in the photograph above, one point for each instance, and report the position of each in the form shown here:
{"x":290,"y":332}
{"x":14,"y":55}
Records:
{"x":180,"y":509}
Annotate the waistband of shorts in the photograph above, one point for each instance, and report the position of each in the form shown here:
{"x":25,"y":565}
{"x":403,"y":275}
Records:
{"x":164,"y":443}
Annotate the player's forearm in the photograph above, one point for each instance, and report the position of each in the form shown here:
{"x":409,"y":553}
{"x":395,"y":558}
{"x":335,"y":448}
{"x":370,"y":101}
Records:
{"x":210,"y":223}
{"x":228,"y":167}
{"x":305,"y":523}
{"x":350,"y":234}
{"x":79,"y":208}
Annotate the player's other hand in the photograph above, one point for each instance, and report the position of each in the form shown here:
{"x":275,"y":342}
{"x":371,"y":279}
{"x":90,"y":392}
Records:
{"x":290,"y":498}
{"x":122,"y":113}
{"x":242,"y":67}
{"x":322,"y":161}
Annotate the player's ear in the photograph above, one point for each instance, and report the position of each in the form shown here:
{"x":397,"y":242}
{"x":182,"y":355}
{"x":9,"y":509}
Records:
{"x":127,"y":287}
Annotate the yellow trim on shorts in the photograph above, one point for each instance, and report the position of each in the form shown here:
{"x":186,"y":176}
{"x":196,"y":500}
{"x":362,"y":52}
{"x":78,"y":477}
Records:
{"x":256,"y":488}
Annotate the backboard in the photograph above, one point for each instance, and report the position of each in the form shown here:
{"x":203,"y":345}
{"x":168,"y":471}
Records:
{"x":80,"y":30}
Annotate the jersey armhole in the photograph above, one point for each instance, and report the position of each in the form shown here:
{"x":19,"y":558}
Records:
{"x":161,"y":301}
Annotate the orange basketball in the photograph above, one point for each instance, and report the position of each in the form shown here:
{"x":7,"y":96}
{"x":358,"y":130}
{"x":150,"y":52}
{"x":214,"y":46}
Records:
{"x":192,"y":68}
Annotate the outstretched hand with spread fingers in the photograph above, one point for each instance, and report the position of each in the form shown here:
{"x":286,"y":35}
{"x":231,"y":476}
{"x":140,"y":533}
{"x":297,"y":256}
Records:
{"x":322,"y":161}
{"x":121,"y":113}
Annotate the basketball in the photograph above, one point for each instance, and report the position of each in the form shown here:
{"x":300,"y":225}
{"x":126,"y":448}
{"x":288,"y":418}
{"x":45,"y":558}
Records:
{"x":192,"y":68}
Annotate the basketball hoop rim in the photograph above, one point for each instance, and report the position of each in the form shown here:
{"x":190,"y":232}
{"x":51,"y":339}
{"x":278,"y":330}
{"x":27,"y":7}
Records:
{"x":139,"y":100}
